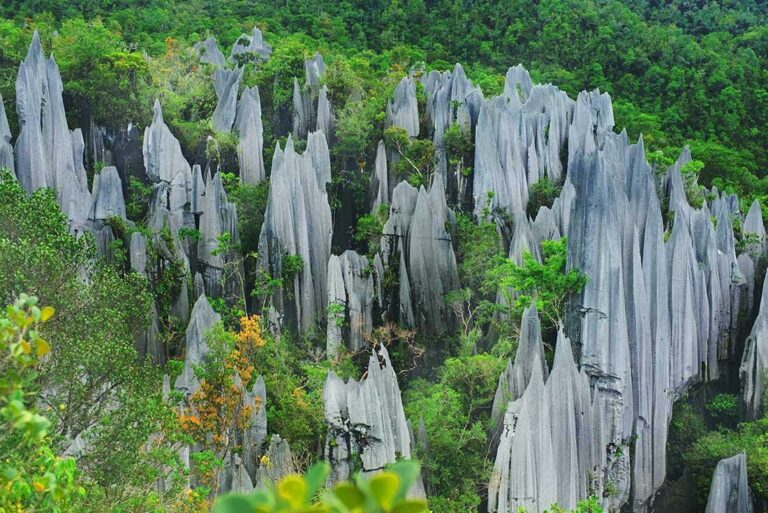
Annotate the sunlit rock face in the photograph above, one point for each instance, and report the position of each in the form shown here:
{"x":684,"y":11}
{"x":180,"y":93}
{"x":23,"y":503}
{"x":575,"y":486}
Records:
{"x":417,"y":245}
{"x":659,"y":312}
{"x":297,"y":225}
{"x":729,"y":492}
{"x":365,"y":420}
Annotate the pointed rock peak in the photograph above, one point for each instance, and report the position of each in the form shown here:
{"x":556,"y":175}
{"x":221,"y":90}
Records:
{"x":563,"y":351}
{"x":753,"y":222}
{"x":157,"y":112}
{"x":536,"y":383}
{"x":458,"y":71}
{"x":35,"y":48}
{"x":203,"y":310}
{"x":518,"y":81}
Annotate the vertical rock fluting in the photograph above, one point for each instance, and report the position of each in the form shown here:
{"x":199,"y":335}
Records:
{"x":365,"y":420}
{"x":754,"y":362}
{"x":305,"y":117}
{"x":380,"y":179}
{"x":451,"y":98}
{"x":169,"y":173}
{"x":403,"y":110}
{"x":297,"y":224}
{"x":47,"y":154}
{"x":6,"y":149}
{"x":208,"y":52}
{"x":659,"y":311}
{"x":729,"y":492}
{"x":226,"y":84}
{"x":251,"y":142}
{"x":218,"y":217}
{"x":416,"y":243}
{"x":520,"y":137}
{"x":350,"y":302}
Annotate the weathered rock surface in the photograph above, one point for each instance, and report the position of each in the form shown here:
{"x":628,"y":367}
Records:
{"x":201,"y":320}
{"x":209,"y":53}
{"x":451,"y":98}
{"x":250,"y":146}
{"x":6,"y":149}
{"x":250,"y":45}
{"x":417,"y":243}
{"x":108,"y":199}
{"x":754,"y":362}
{"x":729,"y":492}
{"x":280,"y":463}
{"x":403,"y":110}
{"x":365,"y":419}
{"x":297,"y":222}
{"x":218,"y":217}
{"x":350,"y":302}
{"x":380,"y":179}
{"x":169,"y":173}
{"x":227,"y":85}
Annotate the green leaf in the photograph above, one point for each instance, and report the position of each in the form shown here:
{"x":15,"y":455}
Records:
{"x":411,"y":506}
{"x":408,"y":473}
{"x":234,"y":504}
{"x":349,"y":495}
{"x":315,"y":477}
{"x":384,"y":488}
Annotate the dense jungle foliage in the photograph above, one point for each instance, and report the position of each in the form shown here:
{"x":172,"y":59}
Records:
{"x":681,"y":72}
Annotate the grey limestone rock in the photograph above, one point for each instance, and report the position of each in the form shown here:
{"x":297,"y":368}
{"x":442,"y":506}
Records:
{"x":403,"y":110}
{"x":218,"y":217}
{"x":325,"y":121}
{"x":250,"y":45}
{"x":365,"y":418}
{"x":297,"y":222}
{"x":209,"y":53}
{"x":350,"y":302}
{"x":754,"y":362}
{"x":380,"y":179}
{"x":108,"y":199}
{"x":432,"y":268}
{"x":279,"y":463}
{"x":201,"y":320}
{"x":729,"y":492}
{"x":251,"y":131}
{"x":6,"y":149}
{"x":169,"y":173}
{"x":227,"y":85}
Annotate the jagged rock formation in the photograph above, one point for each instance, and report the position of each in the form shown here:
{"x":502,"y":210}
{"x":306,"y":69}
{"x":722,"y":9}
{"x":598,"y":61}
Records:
{"x":451,"y":98}
{"x":655,"y":315}
{"x":226,"y":84}
{"x":403,"y":110}
{"x":350,"y":302}
{"x":415,"y":239}
{"x":278,"y":464}
{"x":253,"y":45}
{"x":514,"y":380}
{"x":6,"y":149}
{"x":108,"y":199}
{"x":754,"y":363}
{"x":729,"y":492}
{"x":304,"y":115}
{"x":201,"y":320}
{"x":380,"y":179}
{"x":297,"y":223}
{"x":251,"y":142}
{"x":45,"y":151}
{"x":325,"y":114}
{"x":169,"y":173}
{"x":365,"y":420}
{"x":209,"y":53}
{"x":519,"y":139}
{"x":217,"y":217}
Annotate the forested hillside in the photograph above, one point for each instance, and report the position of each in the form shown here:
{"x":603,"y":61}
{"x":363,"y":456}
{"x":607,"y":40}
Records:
{"x":522,"y":243}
